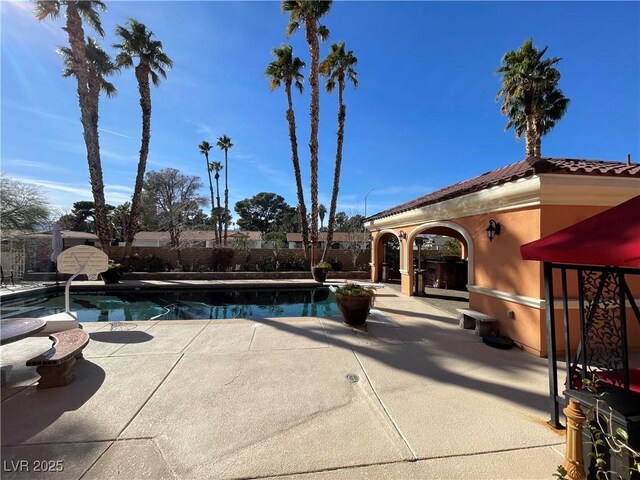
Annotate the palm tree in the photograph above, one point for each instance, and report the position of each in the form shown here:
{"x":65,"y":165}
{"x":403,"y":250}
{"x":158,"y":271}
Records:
{"x":309,"y":13}
{"x":205,"y":147}
{"x":99,"y":66}
{"x":118,"y":218}
{"x":322,"y":211}
{"x":554,"y":107}
{"x":136,"y":41}
{"x":338,"y":67}
{"x":286,"y":69}
{"x":75,"y":13}
{"x":530,"y":95}
{"x":224,"y":143}
{"x":216,"y":167}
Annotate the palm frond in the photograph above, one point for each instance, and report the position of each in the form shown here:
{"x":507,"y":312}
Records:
{"x":323,"y":32}
{"x":137,"y":41}
{"x":292,"y":27}
{"x":224,"y":142}
{"x":284,"y":68}
{"x":46,"y":8}
{"x":530,"y":89}
{"x":88,"y":10}
{"x":155,"y":79}
{"x":338,"y":65}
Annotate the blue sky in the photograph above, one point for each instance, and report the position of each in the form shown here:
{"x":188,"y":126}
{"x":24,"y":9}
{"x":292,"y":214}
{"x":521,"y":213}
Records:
{"x":424,"y":115}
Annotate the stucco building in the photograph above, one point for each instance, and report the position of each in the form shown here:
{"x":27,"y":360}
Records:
{"x":517,"y":204}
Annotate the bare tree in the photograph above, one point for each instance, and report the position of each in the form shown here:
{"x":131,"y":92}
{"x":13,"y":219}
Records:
{"x":356,"y":237}
{"x":24,"y":206}
{"x":175,"y":199}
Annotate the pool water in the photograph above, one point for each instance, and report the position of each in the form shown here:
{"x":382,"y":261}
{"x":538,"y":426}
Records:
{"x":143,"y":305}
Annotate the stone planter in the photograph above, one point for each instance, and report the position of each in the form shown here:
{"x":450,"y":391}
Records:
{"x":354,"y":309}
{"x":319,"y":274}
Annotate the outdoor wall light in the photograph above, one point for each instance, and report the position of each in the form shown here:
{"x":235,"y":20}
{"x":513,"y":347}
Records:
{"x":402,"y":235}
{"x":493,"y":229}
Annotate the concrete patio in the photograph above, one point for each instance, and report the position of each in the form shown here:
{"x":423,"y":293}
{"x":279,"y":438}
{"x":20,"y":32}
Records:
{"x":413,"y":396}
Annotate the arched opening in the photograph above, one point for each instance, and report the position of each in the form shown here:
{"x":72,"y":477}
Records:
{"x":387,"y":252}
{"x":439,"y":259}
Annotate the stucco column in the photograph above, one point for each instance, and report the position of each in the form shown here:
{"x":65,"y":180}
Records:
{"x":372,"y":260}
{"x":405,"y":282}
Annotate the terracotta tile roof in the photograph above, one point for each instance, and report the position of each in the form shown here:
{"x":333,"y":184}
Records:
{"x":251,"y":234}
{"x":186,"y":235}
{"x":195,"y":235}
{"x":524,"y":168}
{"x":322,"y":236}
{"x":80,"y":235}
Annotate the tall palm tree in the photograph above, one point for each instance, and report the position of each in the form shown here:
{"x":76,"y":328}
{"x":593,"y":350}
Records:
{"x":216,"y":167}
{"x":338,"y":68}
{"x":205,"y":147}
{"x":322,"y":211}
{"x":75,"y":12}
{"x":553,"y":109}
{"x":530,"y":95}
{"x":224,"y":143}
{"x":137,"y":41}
{"x":99,"y":66}
{"x":285,"y":68}
{"x":309,"y":14}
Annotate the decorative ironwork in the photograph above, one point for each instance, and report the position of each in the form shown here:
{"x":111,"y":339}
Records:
{"x":603,"y":328}
{"x":603,"y":351}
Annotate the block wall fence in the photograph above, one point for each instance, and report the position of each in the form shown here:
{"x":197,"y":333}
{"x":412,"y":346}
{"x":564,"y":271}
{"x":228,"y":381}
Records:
{"x":205,"y":258}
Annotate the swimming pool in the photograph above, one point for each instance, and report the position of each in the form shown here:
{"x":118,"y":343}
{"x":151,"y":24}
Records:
{"x":143,"y":305}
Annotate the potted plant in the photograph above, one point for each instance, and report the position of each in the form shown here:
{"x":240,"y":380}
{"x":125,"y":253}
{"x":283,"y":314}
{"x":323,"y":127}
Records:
{"x":114,"y":272}
{"x":319,"y":271}
{"x":355,"y":301}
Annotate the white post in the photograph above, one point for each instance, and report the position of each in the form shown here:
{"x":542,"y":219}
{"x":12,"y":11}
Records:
{"x":364,"y":233}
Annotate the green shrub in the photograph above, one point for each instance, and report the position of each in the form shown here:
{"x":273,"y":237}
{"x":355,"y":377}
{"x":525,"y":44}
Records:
{"x":324,"y":265}
{"x":148,"y":263}
{"x":293,"y":263}
{"x":336,"y":265}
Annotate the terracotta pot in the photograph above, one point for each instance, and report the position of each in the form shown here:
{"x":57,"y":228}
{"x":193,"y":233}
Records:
{"x":354,"y":309}
{"x":319,"y":274}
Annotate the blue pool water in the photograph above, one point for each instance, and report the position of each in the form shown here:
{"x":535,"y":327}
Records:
{"x":178,"y":304}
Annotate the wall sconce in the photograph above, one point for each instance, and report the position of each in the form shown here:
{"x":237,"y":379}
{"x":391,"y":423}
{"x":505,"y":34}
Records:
{"x":402,"y":235}
{"x":493,"y":229}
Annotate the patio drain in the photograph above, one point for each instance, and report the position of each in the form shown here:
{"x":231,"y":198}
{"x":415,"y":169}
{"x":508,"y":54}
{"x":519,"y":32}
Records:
{"x":352,"y":377}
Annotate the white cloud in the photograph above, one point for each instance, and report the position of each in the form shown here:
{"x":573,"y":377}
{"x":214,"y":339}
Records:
{"x":114,"y":133}
{"x":205,"y":129}
{"x":16,"y":162}
{"x":121,"y":188}
{"x":62,"y":195}
{"x":61,"y":118}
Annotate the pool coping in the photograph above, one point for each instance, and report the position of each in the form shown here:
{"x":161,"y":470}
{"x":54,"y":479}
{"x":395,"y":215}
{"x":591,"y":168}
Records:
{"x":84,"y":286}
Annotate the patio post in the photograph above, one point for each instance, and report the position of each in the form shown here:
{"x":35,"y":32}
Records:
{"x":573,"y":459}
{"x":551,"y":346}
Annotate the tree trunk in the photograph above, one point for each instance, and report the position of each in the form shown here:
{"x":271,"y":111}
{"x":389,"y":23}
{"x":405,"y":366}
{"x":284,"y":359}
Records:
{"x":530,"y":137}
{"x":342,"y":113}
{"x":89,"y":119}
{"x":219,"y":214}
{"x":302,"y":209}
{"x":314,"y":53}
{"x":213,"y":205}
{"x":226,"y":197}
{"x":142,"y":76}
{"x":538,"y":144}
